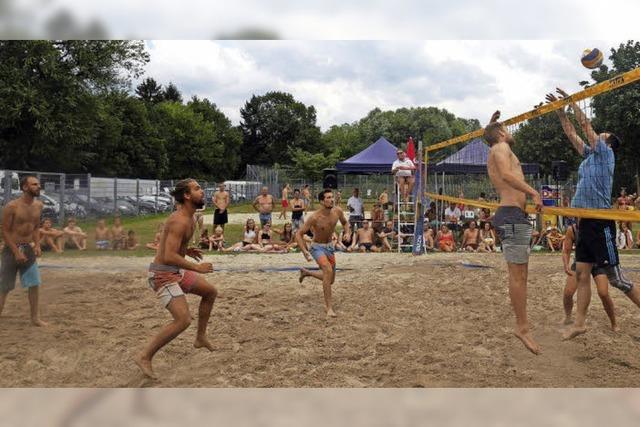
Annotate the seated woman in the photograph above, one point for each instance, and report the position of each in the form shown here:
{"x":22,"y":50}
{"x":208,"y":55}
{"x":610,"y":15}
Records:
{"x":216,"y":242}
{"x":429,"y":238}
{"x":624,"y":237}
{"x":156,"y":241}
{"x":446,"y":241}
{"x":554,"y":239}
{"x":249,"y":239}
{"x":287,"y":238}
{"x":471,"y":237}
{"x":487,"y":238}
{"x":204,"y":242}
{"x":266,"y":241}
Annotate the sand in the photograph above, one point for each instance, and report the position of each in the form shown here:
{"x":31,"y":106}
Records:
{"x":403,"y":322}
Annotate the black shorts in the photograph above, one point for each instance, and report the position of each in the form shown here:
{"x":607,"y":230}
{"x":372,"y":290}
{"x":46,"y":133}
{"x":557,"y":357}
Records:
{"x":220,"y":218}
{"x":596,"y":242}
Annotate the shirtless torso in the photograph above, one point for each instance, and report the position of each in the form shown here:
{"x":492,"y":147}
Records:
{"x":365,"y":235}
{"x":264,"y":203}
{"x":509,"y":196}
{"x":221,"y":200}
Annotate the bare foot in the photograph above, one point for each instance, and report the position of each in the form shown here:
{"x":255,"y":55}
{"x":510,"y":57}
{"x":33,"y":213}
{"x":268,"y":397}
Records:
{"x":567,"y":321}
{"x":38,"y":322}
{"x":331,"y":313}
{"x":303,"y":274}
{"x":528,"y":342}
{"x":203,"y":342}
{"x":145,"y":366}
{"x":615,"y":327}
{"x":573,"y":332}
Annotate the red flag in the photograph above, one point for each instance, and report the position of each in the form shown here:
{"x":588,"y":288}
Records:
{"x":411,"y":149}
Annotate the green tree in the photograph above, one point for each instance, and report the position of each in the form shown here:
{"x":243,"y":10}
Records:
{"x":618,"y":111}
{"x":273,"y":125}
{"x":126,"y":143}
{"x":171,"y":93}
{"x":48,"y":98}
{"x":192,"y":145}
{"x":225,"y":132}
{"x":149,"y":91}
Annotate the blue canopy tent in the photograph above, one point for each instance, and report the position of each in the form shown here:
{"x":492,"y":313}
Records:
{"x":472,"y":159}
{"x":376,"y":158}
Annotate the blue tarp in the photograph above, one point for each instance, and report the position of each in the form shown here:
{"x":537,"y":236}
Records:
{"x":376,"y":158}
{"x":472,"y":159}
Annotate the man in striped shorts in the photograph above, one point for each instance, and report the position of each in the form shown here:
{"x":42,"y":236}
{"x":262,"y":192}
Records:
{"x":511,"y":220}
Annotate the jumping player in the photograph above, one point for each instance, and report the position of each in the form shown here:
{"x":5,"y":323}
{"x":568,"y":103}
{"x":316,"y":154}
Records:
{"x":323,"y":224}
{"x":511,"y":220}
{"x":171,"y":275}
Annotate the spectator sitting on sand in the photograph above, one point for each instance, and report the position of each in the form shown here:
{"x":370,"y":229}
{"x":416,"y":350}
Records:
{"x":156,"y":241}
{"x":217,"y":240}
{"x":75,"y":237}
{"x":132,"y":241}
{"x":446,"y":241}
{"x":102,"y":235}
{"x":249,"y":239}
{"x":51,"y":239}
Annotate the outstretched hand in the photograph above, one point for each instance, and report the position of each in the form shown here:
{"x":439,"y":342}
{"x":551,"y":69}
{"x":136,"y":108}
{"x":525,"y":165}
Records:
{"x":495,"y":117}
{"x":550,"y":97}
{"x":562,"y":93}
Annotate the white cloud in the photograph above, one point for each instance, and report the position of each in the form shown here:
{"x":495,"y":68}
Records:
{"x":345,"y":80}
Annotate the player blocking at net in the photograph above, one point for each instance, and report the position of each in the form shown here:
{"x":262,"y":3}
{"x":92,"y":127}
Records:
{"x":511,"y":221}
{"x":596,"y":248}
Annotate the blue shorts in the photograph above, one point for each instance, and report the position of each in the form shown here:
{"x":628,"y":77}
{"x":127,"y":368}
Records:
{"x":324,"y":254}
{"x":265,"y":218}
{"x":9,"y":269}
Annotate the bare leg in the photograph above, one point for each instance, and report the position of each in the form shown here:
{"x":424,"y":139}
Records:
{"x":583,"y":273}
{"x":410,"y":183}
{"x":3,"y":298}
{"x":327,"y":280}
{"x":567,"y":297}
{"x":179,"y":309}
{"x":208,"y":292}
{"x":33,"y":303}
{"x":602,"y":284}
{"x":634,"y":295}
{"x":518,"y":294}
{"x":306,"y":273}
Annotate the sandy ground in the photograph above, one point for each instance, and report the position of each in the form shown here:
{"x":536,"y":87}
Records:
{"x":429,"y":321}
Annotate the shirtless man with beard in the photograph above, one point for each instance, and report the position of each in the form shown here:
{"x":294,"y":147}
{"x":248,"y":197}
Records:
{"x":171,"y":275}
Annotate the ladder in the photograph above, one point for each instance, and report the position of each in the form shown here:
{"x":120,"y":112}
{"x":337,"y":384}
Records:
{"x":406,"y":216}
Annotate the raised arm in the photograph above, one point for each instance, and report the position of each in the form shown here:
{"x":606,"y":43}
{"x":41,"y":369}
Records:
{"x":584,"y":122}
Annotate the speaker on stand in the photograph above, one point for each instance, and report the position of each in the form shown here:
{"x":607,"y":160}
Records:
{"x":330,"y":178}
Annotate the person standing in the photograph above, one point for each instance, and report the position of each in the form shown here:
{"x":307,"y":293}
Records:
{"x":356,"y":209}
{"x":511,"y":221}
{"x":285,"y":202}
{"x":21,"y":234}
{"x":220,"y":203}
{"x":264,"y":204}
{"x":297,"y":210}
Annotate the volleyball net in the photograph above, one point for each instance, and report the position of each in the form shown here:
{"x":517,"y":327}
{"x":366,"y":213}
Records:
{"x":456,"y":171}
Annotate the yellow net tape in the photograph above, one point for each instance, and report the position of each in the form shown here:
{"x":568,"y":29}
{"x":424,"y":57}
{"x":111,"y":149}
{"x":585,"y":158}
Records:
{"x":597,"y":89}
{"x":606,"y":214}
